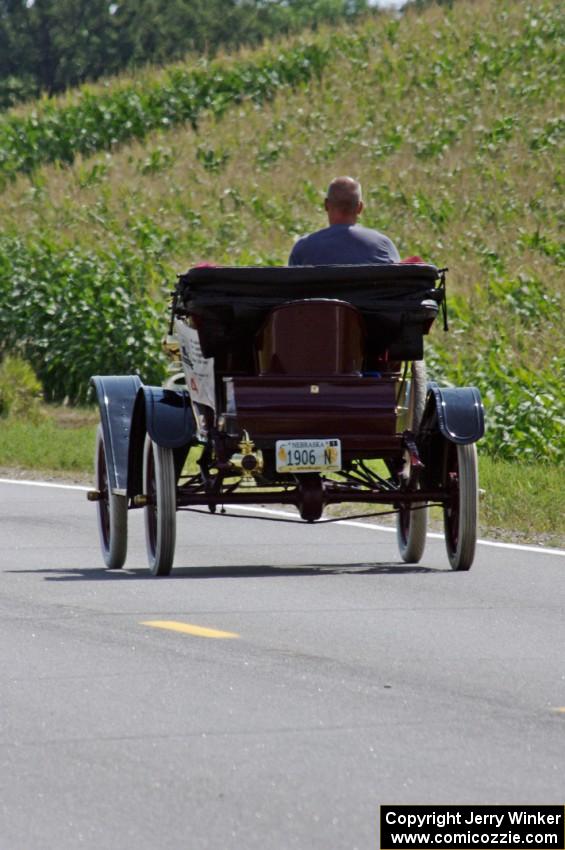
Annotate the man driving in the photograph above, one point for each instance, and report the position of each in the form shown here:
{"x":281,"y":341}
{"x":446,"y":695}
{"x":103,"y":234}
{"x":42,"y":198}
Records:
{"x":343,"y":242}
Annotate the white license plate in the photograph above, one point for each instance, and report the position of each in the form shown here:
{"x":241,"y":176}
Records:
{"x":308,"y":455}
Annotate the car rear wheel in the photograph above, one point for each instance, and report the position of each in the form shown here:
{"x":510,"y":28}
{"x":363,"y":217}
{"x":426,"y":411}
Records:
{"x":411,"y":525}
{"x":159,"y":485}
{"x":112,"y":510}
{"x":460,"y":513}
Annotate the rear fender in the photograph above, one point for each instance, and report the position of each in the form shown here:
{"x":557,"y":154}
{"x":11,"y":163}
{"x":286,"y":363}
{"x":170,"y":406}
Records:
{"x":452,"y":415}
{"x":457,"y":412}
{"x":166,"y":415}
{"x":116,"y":396}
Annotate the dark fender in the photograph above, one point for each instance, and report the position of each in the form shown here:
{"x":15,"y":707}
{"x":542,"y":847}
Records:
{"x":116,"y":396}
{"x":166,"y":415}
{"x":459,"y":413}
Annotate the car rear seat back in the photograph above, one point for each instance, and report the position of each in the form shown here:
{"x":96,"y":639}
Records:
{"x":315,"y":336}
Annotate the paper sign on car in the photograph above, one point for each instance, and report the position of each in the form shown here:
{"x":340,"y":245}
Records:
{"x":198,"y":370}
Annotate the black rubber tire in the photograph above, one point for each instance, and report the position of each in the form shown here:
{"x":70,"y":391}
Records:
{"x":159,"y":485}
{"x":460,"y":515}
{"x":112,"y":511}
{"x":411,"y":528}
{"x":412,"y":525}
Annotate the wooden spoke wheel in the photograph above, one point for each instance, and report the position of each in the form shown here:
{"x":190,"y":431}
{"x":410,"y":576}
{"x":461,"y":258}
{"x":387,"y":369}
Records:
{"x":460,"y":512}
{"x":112,"y":511}
{"x":159,"y":485}
{"x":411,"y":525}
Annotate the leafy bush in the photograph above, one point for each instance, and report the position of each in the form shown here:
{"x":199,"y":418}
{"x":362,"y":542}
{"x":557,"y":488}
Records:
{"x":20,"y":389}
{"x":72,"y":314}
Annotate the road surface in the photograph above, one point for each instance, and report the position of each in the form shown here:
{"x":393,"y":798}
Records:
{"x":331,"y":679}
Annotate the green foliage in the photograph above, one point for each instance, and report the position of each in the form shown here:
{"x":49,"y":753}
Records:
{"x":100,"y":122}
{"x":423,"y":4}
{"x":51,"y":44}
{"x":72,"y":314}
{"x":14,"y":89}
{"x":525,"y":406}
{"x":20,"y":390}
{"x":46,"y":46}
{"x":154,"y":31}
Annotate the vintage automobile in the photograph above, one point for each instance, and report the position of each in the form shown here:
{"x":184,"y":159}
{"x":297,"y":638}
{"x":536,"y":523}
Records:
{"x":300,"y":386}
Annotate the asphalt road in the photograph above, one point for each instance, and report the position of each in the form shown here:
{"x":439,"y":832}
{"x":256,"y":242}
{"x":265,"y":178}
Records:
{"x":352,"y":681}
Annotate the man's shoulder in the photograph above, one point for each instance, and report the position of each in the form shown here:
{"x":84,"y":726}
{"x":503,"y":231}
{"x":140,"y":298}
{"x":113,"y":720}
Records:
{"x":315,"y":235}
{"x":308,"y":241}
{"x":369,"y":233}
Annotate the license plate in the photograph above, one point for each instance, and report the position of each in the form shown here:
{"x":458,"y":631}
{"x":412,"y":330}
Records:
{"x":308,"y":455}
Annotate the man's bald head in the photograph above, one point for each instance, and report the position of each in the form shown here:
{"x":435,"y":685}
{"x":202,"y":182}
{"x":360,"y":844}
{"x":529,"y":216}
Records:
{"x":344,"y":201}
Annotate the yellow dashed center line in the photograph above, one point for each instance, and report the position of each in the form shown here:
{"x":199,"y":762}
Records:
{"x":189,"y":629}
{"x":560,"y":710}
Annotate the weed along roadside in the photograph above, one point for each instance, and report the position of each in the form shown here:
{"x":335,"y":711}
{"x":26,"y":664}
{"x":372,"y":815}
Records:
{"x":97,"y":223}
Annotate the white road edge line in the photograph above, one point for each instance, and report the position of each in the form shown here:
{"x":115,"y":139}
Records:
{"x":541,"y":550}
{"x":44,"y":484}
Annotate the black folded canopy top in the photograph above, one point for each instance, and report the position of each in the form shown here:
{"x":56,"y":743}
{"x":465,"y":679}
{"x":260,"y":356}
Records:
{"x":296,"y":276}
{"x":232,"y":301}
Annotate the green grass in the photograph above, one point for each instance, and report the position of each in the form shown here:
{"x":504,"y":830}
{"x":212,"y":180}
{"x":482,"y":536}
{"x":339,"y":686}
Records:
{"x":47,"y":446}
{"x":527,"y":498}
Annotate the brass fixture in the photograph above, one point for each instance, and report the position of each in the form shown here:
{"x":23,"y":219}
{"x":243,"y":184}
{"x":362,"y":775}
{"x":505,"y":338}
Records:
{"x":249,"y":461}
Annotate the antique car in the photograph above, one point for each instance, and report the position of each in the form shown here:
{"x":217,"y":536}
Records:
{"x":302,"y":386}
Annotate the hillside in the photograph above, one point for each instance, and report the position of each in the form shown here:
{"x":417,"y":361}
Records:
{"x":449,"y":118}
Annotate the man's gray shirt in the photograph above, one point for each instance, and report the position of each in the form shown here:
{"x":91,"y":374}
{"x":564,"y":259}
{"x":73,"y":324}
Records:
{"x":343,"y":244}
